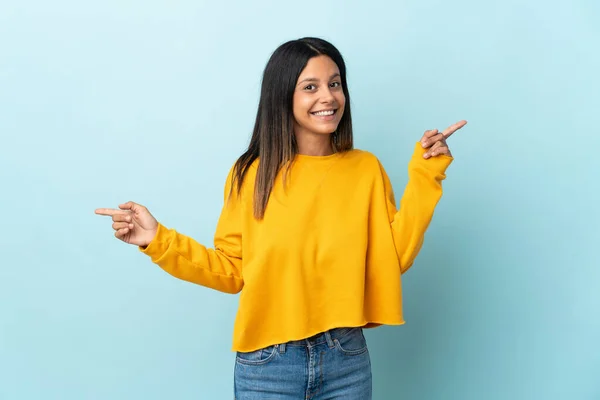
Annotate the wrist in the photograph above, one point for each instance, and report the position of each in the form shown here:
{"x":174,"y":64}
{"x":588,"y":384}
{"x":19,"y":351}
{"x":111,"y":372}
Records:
{"x":151,"y":236}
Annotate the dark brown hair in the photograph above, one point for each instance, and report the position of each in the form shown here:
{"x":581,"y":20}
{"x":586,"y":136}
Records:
{"x":273,"y":142}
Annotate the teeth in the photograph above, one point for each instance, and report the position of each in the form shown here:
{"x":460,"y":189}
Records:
{"x":322,"y":113}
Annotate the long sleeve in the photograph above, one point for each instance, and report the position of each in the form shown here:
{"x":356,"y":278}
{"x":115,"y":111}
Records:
{"x":421,"y":195}
{"x":184,"y":258}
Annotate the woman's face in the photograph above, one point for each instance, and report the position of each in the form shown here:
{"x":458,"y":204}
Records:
{"x":318,"y":99}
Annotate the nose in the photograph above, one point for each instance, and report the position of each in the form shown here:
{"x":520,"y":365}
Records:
{"x":327,"y":97}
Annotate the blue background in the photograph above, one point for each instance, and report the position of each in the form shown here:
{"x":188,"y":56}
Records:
{"x":152,"y":101}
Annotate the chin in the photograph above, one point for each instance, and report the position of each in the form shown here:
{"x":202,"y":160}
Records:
{"x":317,"y":128}
{"x":324,"y":129}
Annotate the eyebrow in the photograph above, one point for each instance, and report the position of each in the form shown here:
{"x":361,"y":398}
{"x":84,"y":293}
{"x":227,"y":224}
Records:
{"x":316,"y":80}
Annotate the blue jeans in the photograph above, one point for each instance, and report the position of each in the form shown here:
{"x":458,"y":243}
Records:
{"x":331,"y":365}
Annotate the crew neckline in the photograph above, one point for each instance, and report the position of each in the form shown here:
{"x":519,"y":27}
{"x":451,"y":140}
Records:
{"x":317,"y":158}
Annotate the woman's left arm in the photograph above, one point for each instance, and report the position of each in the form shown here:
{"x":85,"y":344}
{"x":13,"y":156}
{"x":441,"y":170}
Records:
{"x":426,"y":171}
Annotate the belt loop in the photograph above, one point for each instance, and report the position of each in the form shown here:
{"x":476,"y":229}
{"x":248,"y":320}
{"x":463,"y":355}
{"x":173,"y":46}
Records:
{"x":329,"y":340}
{"x":282,"y":348}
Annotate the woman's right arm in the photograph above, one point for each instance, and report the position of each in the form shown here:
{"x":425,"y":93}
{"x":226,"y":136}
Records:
{"x":218,"y":268}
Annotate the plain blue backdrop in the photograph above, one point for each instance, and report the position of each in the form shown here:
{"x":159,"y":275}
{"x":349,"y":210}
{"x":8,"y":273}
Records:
{"x":152,"y":101}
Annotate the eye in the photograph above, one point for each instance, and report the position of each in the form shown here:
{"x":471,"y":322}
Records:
{"x":310,"y":87}
{"x":336,"y":84}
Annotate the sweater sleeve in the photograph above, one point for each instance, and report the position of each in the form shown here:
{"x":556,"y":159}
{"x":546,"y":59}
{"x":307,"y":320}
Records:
{"x":421,"y":195}
{"x":218,"y":268}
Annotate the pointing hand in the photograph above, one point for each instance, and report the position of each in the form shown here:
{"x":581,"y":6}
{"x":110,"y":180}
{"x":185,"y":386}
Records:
{"x":435,"y":141}
{"x":132,"y":223}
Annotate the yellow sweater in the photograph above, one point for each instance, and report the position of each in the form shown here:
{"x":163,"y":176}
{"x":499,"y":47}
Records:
{"x":329,"y":252}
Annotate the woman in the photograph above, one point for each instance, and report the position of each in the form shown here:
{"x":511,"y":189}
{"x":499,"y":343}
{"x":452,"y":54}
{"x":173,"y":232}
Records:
{"x":309,"y":233}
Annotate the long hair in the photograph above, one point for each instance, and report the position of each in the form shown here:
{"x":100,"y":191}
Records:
{"x":273,"y":141}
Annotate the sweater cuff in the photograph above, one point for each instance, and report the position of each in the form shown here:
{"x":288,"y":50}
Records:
{"x":160,"y":243}
{"x":437,"y":164}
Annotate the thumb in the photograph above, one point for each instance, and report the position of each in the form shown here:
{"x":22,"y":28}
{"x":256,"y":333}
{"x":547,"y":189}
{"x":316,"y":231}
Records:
{"x":140,"y":214}
{"x":130,"y":205}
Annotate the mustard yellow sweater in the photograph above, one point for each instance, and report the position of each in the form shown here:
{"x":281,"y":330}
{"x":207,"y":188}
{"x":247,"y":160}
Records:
{"x":329,"y":252}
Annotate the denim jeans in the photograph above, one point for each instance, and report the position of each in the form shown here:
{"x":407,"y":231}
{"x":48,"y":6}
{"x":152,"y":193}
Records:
{"x":331,"y":365}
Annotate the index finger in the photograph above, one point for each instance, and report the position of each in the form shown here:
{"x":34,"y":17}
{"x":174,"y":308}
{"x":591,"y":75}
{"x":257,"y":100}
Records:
{"x":109,"y":211}
{"x":453,"y":128}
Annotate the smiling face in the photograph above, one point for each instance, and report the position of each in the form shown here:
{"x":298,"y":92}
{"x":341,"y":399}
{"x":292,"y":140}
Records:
{"x":318,"y":98}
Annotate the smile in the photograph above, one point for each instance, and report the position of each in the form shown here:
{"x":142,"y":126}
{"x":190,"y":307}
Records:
{"x":324,"y":113}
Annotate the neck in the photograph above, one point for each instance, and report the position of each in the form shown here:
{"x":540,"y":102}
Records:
{"x":314,"y":144}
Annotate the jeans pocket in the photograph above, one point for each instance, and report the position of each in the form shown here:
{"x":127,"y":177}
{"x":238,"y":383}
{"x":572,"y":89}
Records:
{"x":352,"y":343}
{"x":257,"y":357}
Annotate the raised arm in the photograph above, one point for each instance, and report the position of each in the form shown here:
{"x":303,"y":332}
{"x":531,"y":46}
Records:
{"x":426,"y":171}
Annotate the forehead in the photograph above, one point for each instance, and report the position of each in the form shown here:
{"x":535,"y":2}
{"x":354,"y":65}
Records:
{"x":320,"y":67}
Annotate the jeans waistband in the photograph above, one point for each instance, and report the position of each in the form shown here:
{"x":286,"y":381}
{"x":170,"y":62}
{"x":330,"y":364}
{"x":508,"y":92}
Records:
{"x":320,"y":338}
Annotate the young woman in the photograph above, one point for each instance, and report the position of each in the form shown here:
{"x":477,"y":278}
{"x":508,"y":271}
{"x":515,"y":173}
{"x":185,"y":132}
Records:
{"x":309,"y":233}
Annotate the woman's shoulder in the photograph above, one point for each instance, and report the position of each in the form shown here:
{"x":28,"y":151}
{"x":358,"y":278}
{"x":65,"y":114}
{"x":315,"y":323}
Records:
{"x":362,"y":157}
